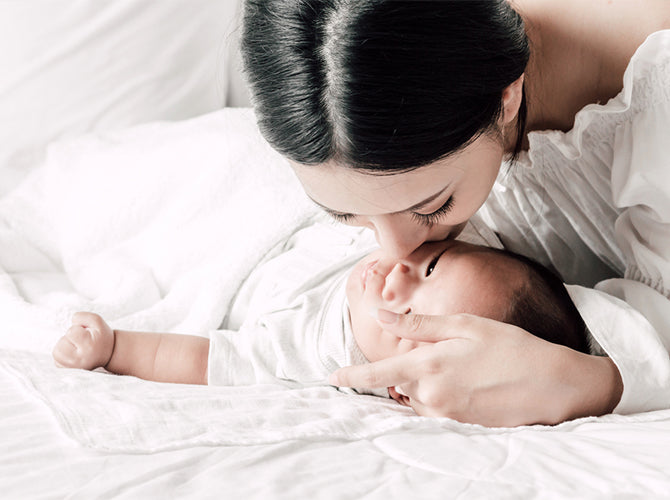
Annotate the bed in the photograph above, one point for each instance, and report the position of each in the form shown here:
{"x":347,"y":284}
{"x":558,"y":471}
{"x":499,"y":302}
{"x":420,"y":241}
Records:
{"x":133,"y":189}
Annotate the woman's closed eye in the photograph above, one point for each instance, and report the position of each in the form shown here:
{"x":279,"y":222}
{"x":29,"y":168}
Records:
{"x":425,"y":219}
{"x":342,"y":218}
{"x":434,"y":217}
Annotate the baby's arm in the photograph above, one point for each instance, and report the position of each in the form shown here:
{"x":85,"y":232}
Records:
{"x":162,"y":357}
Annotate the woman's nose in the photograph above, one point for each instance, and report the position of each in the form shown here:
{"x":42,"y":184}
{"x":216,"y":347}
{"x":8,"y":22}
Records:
{"x":398,"y":283}
{"x":396,"y":237}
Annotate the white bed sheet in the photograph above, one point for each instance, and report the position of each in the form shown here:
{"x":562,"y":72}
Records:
{"x":150,"y":251}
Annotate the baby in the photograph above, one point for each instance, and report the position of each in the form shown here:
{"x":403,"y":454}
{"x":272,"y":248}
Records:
{"x":298,"y":317}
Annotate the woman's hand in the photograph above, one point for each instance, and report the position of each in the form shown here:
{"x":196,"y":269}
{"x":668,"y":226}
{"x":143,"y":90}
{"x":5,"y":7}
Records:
{"x":87,"y":344}
{"x":485,"y":372}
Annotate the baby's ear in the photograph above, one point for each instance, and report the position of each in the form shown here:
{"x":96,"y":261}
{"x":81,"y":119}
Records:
{"x":400,"y":398}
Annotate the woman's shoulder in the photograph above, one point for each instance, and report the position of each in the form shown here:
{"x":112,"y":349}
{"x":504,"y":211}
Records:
{"x":595,"y":127}
{"x":617,"y":30}
{"x":612,"y":30}
{"x":582,"y":50}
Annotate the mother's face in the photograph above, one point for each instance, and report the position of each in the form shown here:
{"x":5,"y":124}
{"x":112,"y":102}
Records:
{"x":404,"y":210}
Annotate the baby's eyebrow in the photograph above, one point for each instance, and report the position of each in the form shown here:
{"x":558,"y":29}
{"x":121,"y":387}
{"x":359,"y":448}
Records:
{"x":417,"y":206}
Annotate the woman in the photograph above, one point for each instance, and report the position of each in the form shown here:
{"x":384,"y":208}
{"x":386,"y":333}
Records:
{"x":397,"y":115}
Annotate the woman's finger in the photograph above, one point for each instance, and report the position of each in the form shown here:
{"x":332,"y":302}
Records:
{"x":425,"y":410}
{"x":388,"y":372}
{"x":422,"y":327}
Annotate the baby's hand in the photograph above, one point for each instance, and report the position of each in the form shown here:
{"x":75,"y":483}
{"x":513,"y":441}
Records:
{"x":88,"y":343}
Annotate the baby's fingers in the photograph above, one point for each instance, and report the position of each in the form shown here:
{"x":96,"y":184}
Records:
{"x":83,"y":336}
{"x":87,"y":319}
{"x":80,"y":347}
{"x":64,"y":353}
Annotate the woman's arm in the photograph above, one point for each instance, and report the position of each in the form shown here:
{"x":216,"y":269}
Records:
{"x":481,"y":371}
{"x":162,"y":357}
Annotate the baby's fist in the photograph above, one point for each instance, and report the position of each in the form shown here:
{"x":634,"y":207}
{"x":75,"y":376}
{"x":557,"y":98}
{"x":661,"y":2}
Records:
{"x":87,"y":344}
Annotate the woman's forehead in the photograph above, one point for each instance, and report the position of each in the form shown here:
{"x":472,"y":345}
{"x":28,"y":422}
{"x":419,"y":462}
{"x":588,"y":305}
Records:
{"x":346,"y":190}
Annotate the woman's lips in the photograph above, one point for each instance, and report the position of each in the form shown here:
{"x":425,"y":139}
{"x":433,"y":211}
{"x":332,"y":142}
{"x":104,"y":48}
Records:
{"x":366,"y":271}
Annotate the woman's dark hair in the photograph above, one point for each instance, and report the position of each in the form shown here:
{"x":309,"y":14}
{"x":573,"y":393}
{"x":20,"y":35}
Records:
{"x":383,"y":85}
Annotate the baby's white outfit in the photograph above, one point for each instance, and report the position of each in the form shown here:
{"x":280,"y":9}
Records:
{"x":289,"y":323}
{"x":594,"y":203}
{"x":290,"y":320}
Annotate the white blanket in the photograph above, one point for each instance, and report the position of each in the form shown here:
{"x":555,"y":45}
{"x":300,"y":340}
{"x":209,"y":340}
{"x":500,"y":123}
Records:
{"x":154,"y":227}
{"x":127,"y":414}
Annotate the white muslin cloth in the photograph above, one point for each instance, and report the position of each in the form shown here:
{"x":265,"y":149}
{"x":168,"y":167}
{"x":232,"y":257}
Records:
{"x":594,"y":203}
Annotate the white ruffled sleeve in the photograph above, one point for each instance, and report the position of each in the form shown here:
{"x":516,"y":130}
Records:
{"x":641,"y":187}
{"x":641,"y":190}
{"x":626,"y":334}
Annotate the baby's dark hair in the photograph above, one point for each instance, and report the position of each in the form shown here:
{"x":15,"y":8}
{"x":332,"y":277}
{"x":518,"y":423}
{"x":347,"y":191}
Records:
{"x":381,"y":85}
{"x":542,"y":306}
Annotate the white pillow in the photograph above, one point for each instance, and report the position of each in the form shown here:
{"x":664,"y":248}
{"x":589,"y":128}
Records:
{"x":71,"y":66}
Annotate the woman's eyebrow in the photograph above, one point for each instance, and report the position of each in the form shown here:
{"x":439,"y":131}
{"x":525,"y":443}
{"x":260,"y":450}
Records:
{"x":417,"y":206}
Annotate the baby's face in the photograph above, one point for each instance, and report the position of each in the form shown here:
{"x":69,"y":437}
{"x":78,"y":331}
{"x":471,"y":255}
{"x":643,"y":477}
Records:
{"x":438,"y":278}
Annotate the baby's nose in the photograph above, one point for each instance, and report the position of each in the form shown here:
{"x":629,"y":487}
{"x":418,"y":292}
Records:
{"x":397,"y":282}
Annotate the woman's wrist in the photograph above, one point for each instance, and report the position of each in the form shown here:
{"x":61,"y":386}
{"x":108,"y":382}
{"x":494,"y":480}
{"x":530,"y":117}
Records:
{"x":609,"y":382}
{"x":593,"y":385}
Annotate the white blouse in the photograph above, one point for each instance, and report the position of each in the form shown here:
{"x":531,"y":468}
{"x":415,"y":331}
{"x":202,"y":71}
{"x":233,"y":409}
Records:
{"x":594,"y":203}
